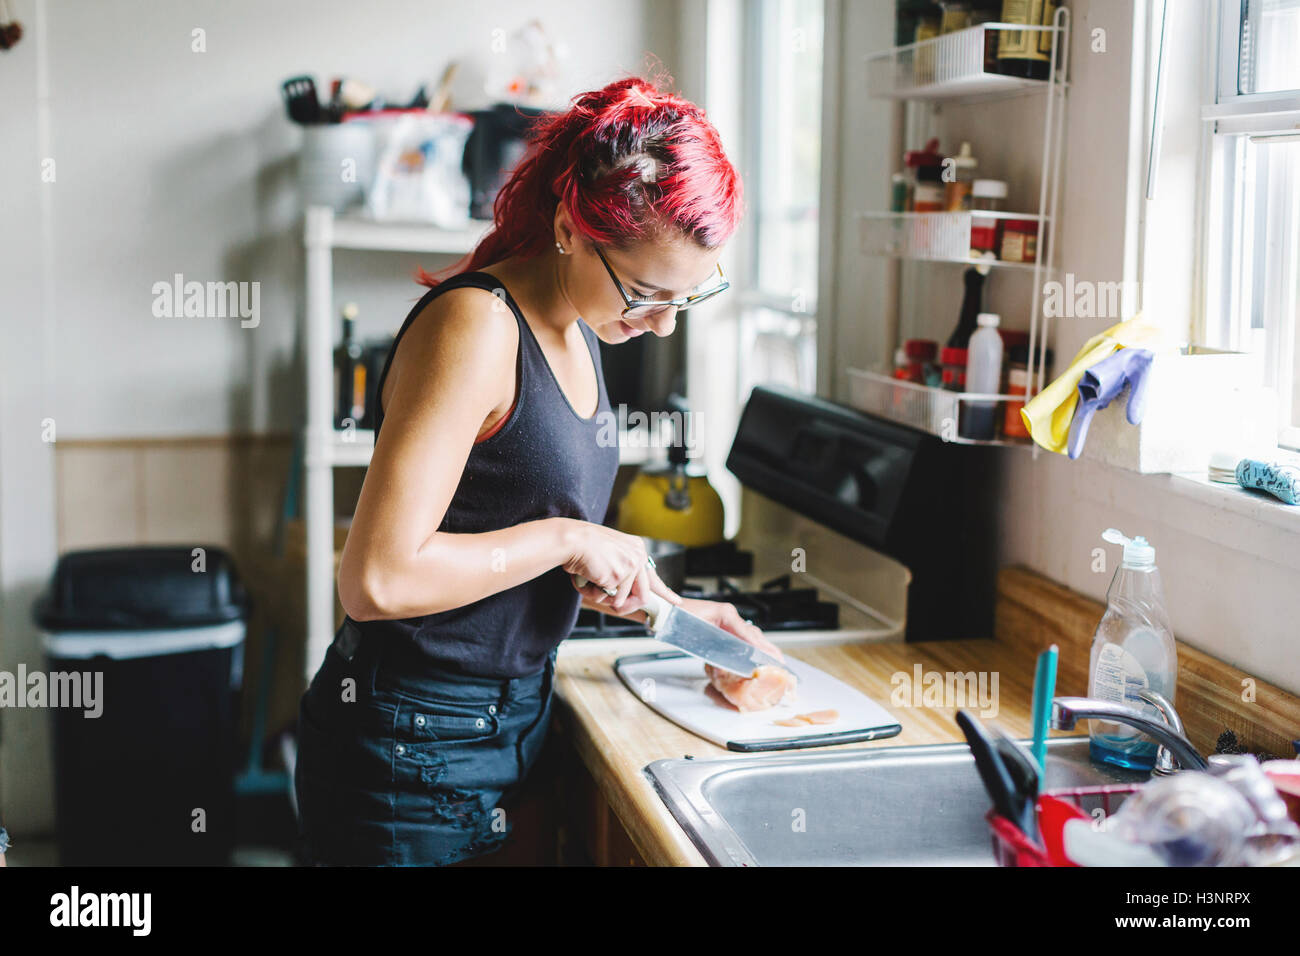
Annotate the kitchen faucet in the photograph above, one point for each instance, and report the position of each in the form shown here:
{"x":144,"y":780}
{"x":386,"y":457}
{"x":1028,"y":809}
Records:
{"x":1168,"y":732}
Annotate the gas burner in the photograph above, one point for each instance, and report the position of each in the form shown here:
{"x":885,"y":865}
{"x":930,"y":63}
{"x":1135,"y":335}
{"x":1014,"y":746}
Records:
{"x":723,"y":558}
{"x":594,"y":624}
{"x":775,"y":607}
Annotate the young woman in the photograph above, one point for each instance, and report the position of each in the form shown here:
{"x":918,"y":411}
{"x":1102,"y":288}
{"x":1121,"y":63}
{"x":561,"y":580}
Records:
{"x":493,"y":465}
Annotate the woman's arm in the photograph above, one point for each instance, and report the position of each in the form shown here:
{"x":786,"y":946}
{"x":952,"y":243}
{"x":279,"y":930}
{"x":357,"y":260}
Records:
{"x":454,"y":368}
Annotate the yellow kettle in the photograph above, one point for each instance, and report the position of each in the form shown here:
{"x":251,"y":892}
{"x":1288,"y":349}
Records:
{"x":672,"y":503}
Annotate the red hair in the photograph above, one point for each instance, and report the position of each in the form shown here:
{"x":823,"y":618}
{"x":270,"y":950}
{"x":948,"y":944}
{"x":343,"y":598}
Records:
{"x":627,"y":161}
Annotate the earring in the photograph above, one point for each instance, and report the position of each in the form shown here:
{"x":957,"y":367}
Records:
{"x":559,"y":248}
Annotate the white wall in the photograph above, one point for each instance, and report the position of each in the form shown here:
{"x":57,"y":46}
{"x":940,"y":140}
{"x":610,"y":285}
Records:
{"x":169,"y":160}
{"x":172,"y":161}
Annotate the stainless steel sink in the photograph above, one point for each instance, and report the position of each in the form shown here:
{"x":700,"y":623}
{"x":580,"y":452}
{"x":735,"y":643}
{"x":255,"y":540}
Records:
{"x":882,"y":806}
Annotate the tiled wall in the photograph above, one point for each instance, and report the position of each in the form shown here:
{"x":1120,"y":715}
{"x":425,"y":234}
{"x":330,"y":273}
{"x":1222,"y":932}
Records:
{"x":224,"y":491}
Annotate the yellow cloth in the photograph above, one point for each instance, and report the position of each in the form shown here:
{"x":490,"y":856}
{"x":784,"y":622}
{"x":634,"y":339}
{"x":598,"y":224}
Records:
{"x":1048,"y":414}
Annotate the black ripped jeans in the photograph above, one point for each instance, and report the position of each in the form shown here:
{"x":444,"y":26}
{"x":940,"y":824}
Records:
{"x":400,"y":764}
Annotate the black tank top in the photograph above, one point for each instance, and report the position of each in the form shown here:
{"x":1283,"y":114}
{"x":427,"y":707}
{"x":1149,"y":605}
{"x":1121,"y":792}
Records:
{"x":544,"y":461}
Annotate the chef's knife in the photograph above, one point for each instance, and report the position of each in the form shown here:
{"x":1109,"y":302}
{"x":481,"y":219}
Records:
{"x":699,"y":638}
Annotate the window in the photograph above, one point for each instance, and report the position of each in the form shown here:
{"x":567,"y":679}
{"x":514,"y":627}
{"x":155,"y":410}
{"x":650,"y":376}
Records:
{"x":1253,"y":214}
{"x":778,"y":337}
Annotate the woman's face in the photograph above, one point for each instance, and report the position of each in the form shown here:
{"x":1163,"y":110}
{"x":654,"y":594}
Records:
{"x":669,"y":267}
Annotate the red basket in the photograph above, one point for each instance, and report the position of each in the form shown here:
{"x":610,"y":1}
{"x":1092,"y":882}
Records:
{"x":1012,"y":848}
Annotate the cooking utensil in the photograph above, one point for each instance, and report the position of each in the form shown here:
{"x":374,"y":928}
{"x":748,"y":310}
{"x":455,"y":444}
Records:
{"x":1044,"y":691}
{"x":670,"y":561}
{"x":699,"y":638}
{"x":1023,"y":771}
{"x":301,"y":101}
{"x":441,"y":98}
{"x":993,"y":771}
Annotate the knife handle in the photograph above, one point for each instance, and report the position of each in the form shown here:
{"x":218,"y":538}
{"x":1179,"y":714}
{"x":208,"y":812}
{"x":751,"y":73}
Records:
{"x":656,"y":609}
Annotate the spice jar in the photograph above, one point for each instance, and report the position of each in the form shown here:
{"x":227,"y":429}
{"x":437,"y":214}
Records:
{"x":914,"y":160}
{"x":920,"y":355}
{"x":1018,"y":383}
{"x":954,"y":369}
{"x":901,"y":366}
{"x":1019,"y":240}
{"x":987,"y":195}
{"x":957,"y":192}
{"x":956,"y":15}
{"x":929,"y":190}
{"x":898,"y":190}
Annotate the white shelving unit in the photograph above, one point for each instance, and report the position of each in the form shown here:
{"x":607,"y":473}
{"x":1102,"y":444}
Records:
{"x":949,"y":67}
{"x":954,"y":68}
{"x":326,"y":447}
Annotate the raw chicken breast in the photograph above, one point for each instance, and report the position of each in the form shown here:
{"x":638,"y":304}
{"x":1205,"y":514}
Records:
{"x":765,"y":689}
{"x":813,"y":717}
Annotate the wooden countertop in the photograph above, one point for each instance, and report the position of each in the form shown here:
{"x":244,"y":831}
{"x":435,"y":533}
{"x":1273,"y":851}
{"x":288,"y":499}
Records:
{"x":616,"y":734}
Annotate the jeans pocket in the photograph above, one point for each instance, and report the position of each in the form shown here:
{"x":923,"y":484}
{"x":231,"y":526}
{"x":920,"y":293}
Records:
{"x":418,"y":722}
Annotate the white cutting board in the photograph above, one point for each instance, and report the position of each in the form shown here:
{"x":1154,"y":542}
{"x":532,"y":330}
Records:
{"x":674,"y":685}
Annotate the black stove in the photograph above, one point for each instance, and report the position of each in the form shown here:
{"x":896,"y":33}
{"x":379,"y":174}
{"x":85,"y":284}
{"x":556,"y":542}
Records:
{"x":775,"y":606}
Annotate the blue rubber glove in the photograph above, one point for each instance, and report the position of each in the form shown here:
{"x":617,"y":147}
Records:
{"x":1102,"y":383}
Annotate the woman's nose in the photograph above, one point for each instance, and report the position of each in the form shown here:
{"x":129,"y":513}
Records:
{"x":664,"y":323}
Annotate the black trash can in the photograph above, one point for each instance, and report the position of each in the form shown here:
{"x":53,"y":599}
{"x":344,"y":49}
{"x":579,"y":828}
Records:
{"x":144,"y":762}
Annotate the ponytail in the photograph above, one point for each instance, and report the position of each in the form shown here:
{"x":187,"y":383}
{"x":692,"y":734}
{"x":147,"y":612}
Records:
{"x":628,"y":162}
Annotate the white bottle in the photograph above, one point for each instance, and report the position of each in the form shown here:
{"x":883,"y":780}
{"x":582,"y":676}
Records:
{"x":1133,"y":650}
{"x":983,"y":375}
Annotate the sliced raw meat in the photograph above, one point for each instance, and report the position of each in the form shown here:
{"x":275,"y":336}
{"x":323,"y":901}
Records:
{"x":765,"y":689}
{"x":806,"y":720}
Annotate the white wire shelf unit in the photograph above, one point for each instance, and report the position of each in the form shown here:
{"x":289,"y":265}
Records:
{"x":936,"y":411}
{"x":935,"y":236}
{"x":961,"y":67}
{"x":956,"y":66}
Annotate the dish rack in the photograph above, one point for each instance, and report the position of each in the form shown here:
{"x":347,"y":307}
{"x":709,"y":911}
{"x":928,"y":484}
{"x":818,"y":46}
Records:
{"x":960,"y":67}
{"x":1010,"y":846}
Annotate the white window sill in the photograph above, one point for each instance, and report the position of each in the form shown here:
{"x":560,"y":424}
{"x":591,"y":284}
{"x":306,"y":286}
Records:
{"x":1234,"y":499}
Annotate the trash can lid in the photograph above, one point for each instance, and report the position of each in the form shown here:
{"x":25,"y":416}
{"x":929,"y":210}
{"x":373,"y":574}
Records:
{"x":127,"y":645}
{"x":142,"y":588}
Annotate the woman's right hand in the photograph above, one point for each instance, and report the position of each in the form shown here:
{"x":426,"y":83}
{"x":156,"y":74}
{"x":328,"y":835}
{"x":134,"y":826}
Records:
{"x":611,"y":561}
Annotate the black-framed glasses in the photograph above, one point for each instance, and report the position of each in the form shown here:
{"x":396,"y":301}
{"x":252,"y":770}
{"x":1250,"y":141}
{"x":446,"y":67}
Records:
{"x":644,"y":308}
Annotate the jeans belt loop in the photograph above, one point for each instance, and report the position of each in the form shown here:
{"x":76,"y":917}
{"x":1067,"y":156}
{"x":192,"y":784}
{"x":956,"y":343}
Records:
{"x":348,"y":640}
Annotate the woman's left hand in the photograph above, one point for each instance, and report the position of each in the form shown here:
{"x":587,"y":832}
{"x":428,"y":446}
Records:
{"x":718,"y":613}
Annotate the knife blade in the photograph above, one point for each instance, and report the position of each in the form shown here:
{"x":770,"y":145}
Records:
{"x":697,"y":637}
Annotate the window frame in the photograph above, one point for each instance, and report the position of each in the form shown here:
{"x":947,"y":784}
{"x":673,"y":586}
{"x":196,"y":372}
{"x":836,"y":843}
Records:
{"x":752,"y":300}
{"x":1272,"y":115}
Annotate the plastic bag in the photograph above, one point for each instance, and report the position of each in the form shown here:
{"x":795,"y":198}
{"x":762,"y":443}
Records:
{"x":418,"y":174}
